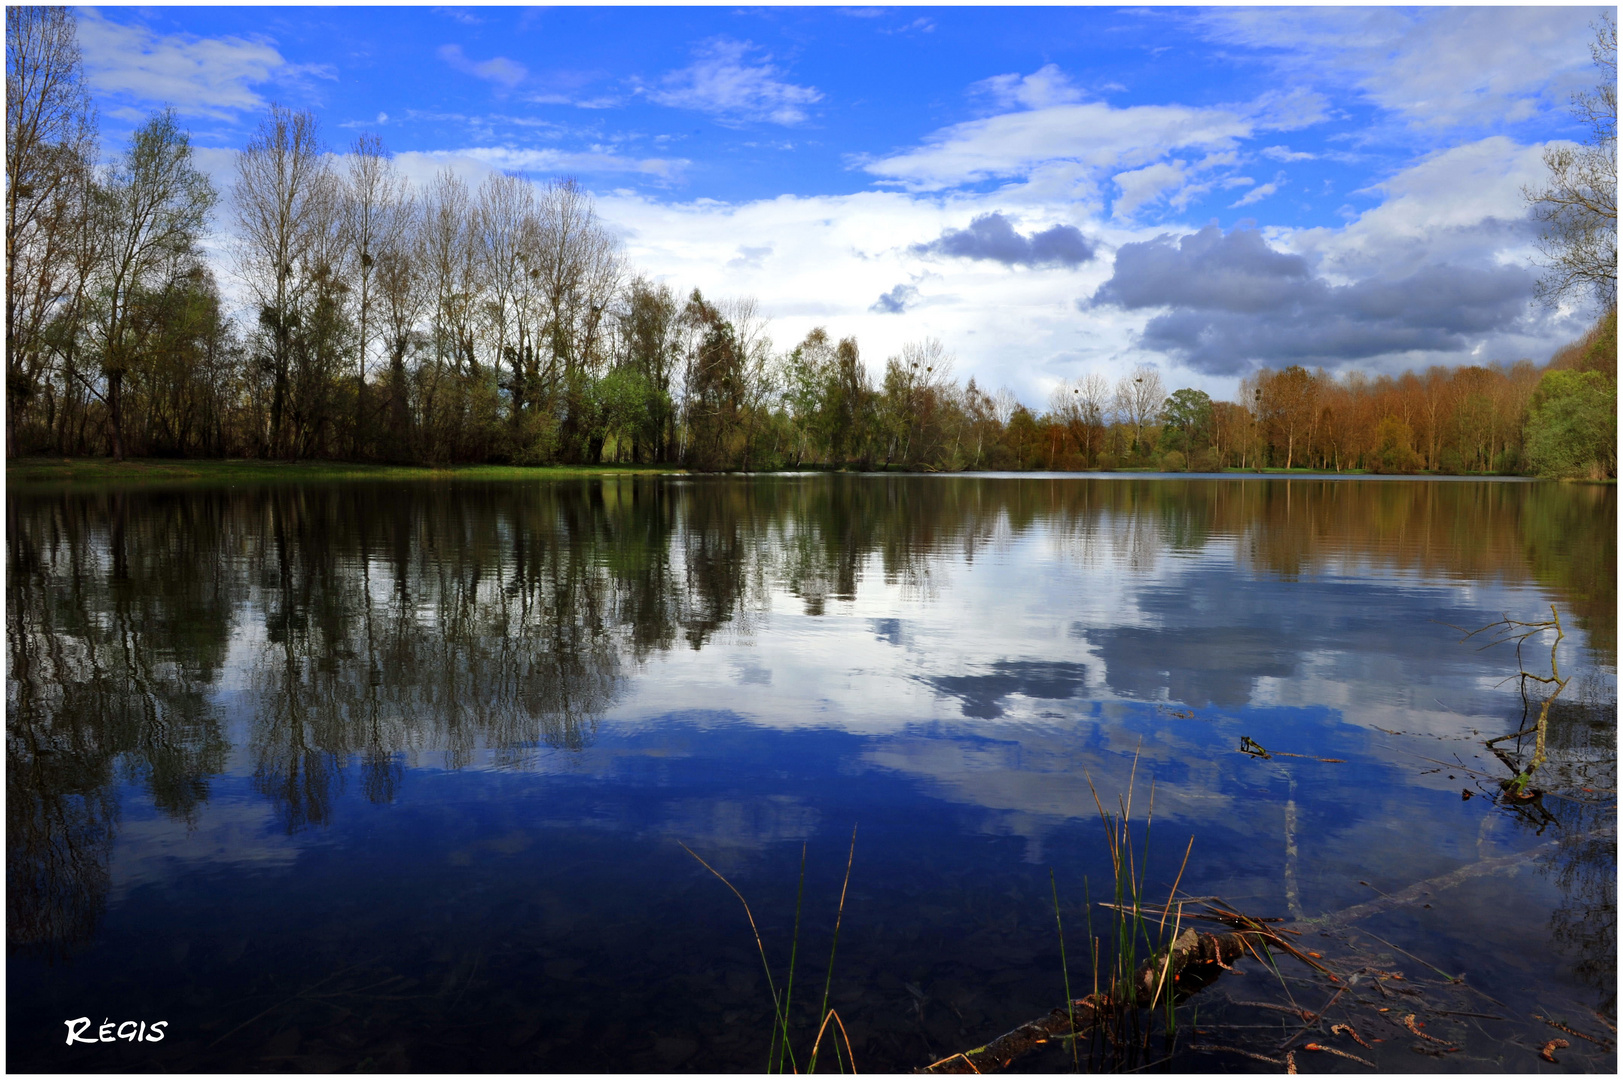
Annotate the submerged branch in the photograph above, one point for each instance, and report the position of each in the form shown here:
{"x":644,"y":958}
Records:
{"x":1195,"y":958}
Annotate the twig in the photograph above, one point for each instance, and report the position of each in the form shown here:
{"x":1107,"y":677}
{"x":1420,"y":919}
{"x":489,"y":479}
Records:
{"x":1322,"y":1049}
{"x":1314,"y":1018}
{"x":1236,"y":1050}
{"x":1414,"y":1029}
{"x":1559,"y":1026}
{"x":1347,"y":1029}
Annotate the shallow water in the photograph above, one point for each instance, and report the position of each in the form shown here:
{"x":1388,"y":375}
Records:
{"x":381,"y":777}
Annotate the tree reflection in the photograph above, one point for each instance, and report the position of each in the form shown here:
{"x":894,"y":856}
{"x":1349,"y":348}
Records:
{"x":1582,"y":744}
{"x":372,"y":624}
{"x":117,"y":623}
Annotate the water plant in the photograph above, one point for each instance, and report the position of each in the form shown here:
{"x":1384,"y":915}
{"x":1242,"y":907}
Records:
{"x":780,"y":1050}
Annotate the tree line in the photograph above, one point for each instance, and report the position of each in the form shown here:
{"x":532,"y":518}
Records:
{"x":502,"y":323}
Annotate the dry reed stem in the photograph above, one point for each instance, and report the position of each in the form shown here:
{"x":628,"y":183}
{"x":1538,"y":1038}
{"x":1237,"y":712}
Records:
{"x":849,"y":1056}
{"x":811,"y":1063}
{"x":783,"y":1021}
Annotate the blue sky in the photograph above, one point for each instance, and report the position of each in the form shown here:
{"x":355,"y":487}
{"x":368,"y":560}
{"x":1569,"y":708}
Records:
{"x":1050,"y":191}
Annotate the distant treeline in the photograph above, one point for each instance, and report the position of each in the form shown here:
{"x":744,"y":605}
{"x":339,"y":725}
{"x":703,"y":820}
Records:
{"x":503,"y":324}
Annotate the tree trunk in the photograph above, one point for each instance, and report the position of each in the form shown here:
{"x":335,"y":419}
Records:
{"x":115,"y":412}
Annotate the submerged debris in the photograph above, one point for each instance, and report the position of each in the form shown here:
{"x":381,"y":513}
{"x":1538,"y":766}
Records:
{"x":1194,"y":961}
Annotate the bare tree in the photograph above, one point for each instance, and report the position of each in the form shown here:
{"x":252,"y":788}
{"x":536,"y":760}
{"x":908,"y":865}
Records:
{"x":402,"y":296}
{"x":377,"y":201}
{"x":756,"y":369}
{"x":50,"y":144}
{"x":1578,"y":203}
{"x":1082,"y":407}
{"x":151,"y":212}
{"x":1138,"y":399}
{"x":578,"y":269}
{"x":282,"y":200}
{"x":1003,"y":405}
{"x":448,"y":255}
{"x":504,"y":220}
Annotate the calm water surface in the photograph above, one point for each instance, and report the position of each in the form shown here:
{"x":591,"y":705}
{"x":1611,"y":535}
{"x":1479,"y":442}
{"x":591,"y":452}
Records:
{"x":388,"y":777}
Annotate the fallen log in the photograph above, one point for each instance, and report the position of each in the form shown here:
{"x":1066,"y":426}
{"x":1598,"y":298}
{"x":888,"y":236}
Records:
{"x":1196,"y":959}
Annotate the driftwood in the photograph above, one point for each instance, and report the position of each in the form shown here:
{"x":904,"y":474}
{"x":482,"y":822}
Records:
{"x":1196,"y":960}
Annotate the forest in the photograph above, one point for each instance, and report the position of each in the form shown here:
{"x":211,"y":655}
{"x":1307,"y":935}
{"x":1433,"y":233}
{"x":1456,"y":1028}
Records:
{"x":503,"y":323}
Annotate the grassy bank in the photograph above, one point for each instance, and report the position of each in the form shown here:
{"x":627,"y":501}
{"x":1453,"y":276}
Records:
{"x":144,"y":471}
{"x":28,"y":471}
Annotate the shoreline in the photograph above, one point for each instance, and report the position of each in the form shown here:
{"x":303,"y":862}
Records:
{"x":141,"y":472}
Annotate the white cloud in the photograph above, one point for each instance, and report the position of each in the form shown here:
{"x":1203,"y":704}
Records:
{"x":1437,"y":67}
{"x":1094,"y":135}
{"x":461,"y":15}
{"x":832,"y":256}
{"x":1459,"y":205}
{"x":1258,"y":193}
{"x":922,"y":26}
{"x":1285,"y":153}
{"x":1146,"y":185}
{"x":498,"y":69}
{"x":603,"y":101}
{"x":209,"y":77}
{"x":1046,"y":86}
{"x":722,"y":81}
{"x":593,"y":161}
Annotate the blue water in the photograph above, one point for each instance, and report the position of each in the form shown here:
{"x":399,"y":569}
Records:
{"x":337,"y":777}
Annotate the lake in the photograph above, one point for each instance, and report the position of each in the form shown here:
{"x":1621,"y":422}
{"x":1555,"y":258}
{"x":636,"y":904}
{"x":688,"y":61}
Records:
{"x":377,"y":776}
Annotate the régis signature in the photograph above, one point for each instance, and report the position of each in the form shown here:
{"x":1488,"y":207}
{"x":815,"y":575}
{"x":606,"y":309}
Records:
{"x":129,"y":1030}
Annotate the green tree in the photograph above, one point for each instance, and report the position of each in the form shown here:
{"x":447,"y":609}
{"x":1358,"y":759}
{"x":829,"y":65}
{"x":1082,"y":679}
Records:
{"x":1572,"y":426}
{"x":715,"y":384}
{"x":152,"y":210}
{"x":848,"y":405}
{"x":1394,"y":447}
{"x":1187,"y":421}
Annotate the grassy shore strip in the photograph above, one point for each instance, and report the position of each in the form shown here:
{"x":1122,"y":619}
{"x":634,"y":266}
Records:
{"x":30,"y":471}
{"x":149,"y":471}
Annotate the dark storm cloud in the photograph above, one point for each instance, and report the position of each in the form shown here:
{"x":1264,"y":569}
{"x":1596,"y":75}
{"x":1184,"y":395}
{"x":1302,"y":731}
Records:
{"x":1236,"y":303}
{"x":982,"y":695}
{"x":993,"y":237}
{"x":1210,"y":645}
{"x":1199,"y":667}
{"x":1237,"y":272}
{"x":895,"y":301}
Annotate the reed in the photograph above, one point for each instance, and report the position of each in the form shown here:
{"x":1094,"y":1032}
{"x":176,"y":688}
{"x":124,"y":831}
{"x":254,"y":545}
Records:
{"x":780,"y":1050}
{"x":1133,"y":941}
